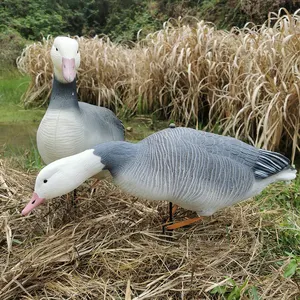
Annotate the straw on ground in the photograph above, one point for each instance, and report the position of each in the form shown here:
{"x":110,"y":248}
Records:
{"x":110,"y":246}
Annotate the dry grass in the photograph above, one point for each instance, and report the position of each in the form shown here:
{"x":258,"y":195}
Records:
{"x":244,"y":82}
{"x":110,"y":246}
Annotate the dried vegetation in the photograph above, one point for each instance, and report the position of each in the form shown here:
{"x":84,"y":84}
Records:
{"x":110,"y":246}
{"x":244,"y":82}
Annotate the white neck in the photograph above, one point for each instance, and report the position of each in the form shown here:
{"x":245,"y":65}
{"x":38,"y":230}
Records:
{"x":87,"y":164}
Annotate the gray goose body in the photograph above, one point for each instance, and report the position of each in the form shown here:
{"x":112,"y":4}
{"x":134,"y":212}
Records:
{"x":70,"y":127}
{"x":197,"y":170}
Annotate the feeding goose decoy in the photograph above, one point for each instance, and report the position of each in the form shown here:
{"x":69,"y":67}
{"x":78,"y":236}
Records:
{"x":196,"y":170}
{"x":69,"y":126}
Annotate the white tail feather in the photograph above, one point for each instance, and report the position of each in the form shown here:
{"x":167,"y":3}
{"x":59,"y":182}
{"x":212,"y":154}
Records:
{"x":286,"y":175}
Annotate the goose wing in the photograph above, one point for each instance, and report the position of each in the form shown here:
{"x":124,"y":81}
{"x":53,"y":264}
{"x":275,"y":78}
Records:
{"x":101,"y":124}
{"x":263,"y":163}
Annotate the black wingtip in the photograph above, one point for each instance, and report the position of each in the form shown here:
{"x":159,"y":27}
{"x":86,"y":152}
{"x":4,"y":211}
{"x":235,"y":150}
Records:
{"x":270,"y":163}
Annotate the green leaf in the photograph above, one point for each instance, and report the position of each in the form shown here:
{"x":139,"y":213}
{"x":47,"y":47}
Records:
{"x":290,"y":269}
{"x":219,"y":290}
{"x":17,"y":241}
{"x":253,"y":292}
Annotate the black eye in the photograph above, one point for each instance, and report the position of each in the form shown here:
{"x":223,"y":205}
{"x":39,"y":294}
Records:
{"x":45,"y":180}
{"x":56,"y":49}
{"x":77,"y":51}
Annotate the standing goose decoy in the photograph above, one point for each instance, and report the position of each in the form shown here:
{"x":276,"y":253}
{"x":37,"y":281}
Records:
{"x":70,"y":127}
{"x":196,"y":170}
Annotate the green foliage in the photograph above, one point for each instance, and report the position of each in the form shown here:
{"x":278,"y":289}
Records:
{"x":223,"y":13}
{"x":32,"y":160}
{"x":26,"y":158}
{"x":293,"y":267}
{"x":12,"y":86}
{"x":289,"y":234}
{"x":17,"y":124}
{"x":121,"y":20}
{"x":11,"y":45}
{"x":33,"y":19}
{"x":126,"y":25}
{"x":232,"y":291}
{"x":284,"y":198}
{"x":256,"y":11}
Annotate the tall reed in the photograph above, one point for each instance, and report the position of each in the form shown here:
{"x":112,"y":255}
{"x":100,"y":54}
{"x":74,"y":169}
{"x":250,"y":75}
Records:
{"x":244,"y":82}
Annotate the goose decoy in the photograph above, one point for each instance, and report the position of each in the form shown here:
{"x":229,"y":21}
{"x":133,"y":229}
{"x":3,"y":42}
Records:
{"x":196,"y":170}
{"x":70,"y":127}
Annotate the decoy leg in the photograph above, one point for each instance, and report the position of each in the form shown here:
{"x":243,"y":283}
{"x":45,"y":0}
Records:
{"x":172,"y":210}
{"x":74,"y":198}
{"x":183,"y":223}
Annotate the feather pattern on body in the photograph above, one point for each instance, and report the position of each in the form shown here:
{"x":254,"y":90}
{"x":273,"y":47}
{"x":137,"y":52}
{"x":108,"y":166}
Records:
{"x":197,"y":170}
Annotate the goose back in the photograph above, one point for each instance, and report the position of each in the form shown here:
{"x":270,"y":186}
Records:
{"x":199,"y":171}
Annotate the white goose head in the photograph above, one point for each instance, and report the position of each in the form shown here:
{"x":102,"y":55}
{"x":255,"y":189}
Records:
{"x":66,"y":58}
{"x":63,"y":176}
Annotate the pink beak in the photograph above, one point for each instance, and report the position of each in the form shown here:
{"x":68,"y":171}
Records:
{"x":34,"y":202}
{"x":68,"y":69}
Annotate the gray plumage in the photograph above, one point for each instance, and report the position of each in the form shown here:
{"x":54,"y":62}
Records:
{"x":200,"y":171}
{"x":70,"y":127}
